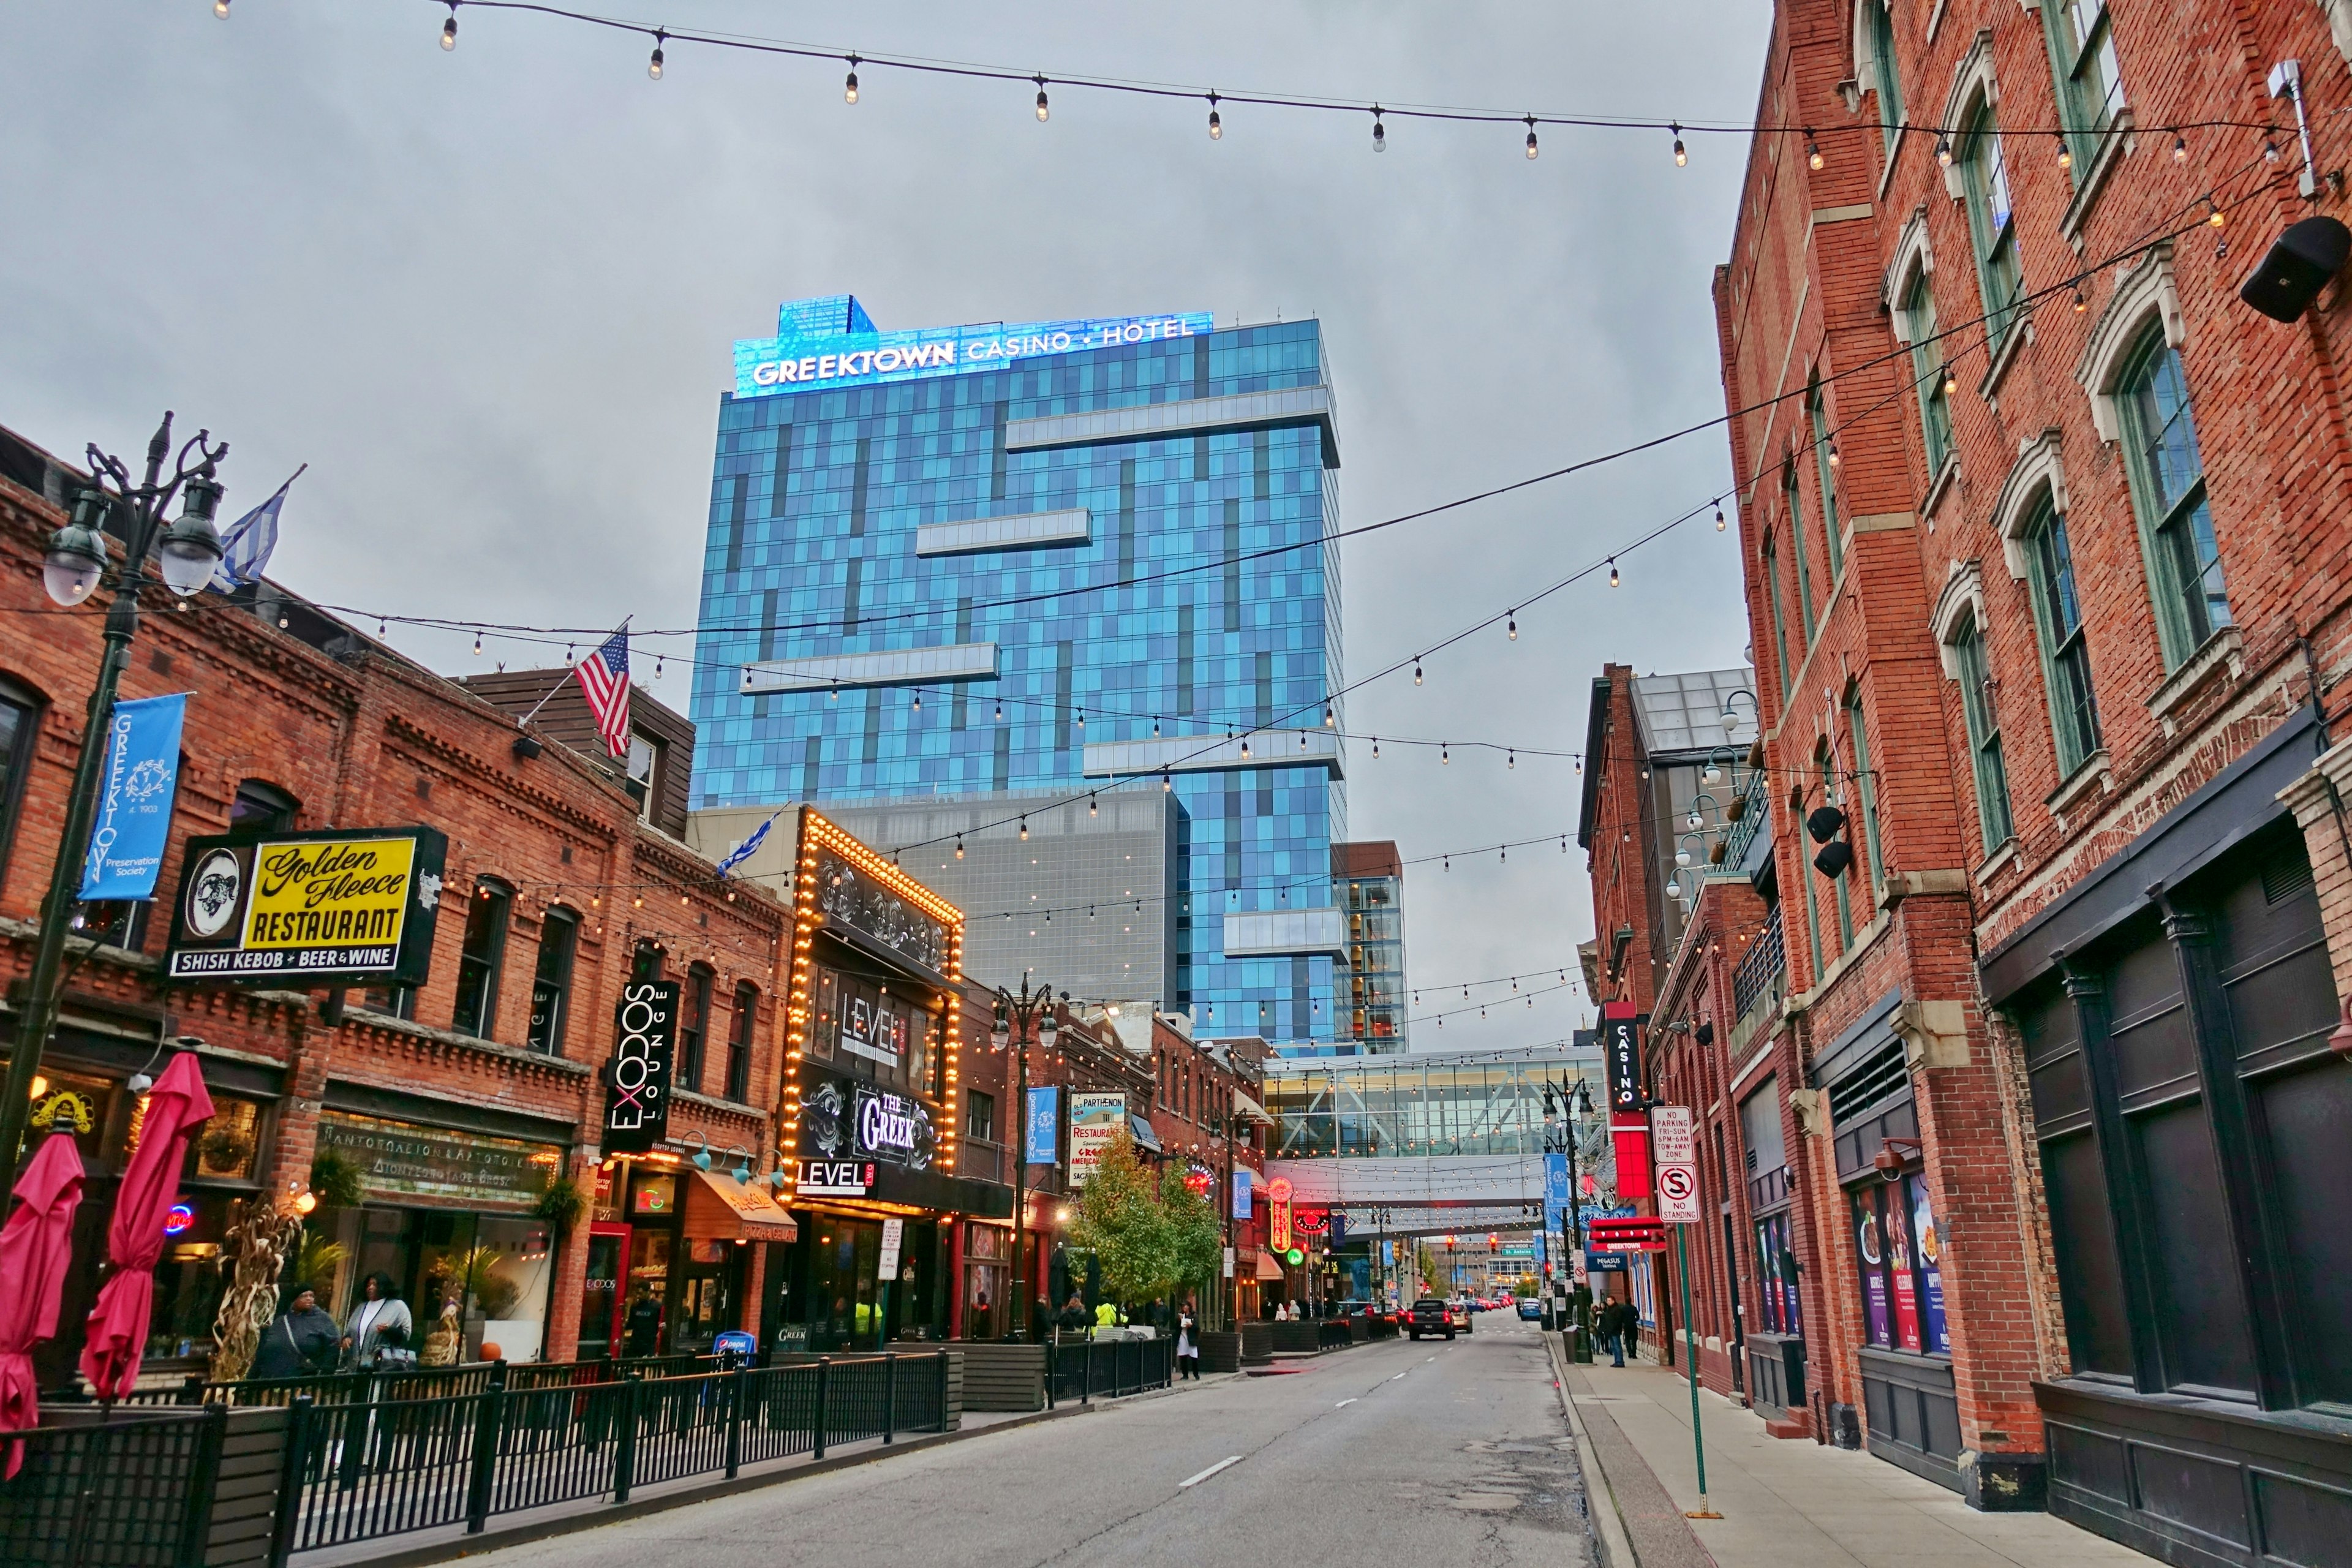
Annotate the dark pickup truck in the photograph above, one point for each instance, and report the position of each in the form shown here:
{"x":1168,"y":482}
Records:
{"x":1431,"y":1316}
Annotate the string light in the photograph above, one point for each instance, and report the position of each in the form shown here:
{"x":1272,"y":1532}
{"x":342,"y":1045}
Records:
{"x":1510,"y":759}
{"x":1944,"y":152}
{"x":919,"y":701}
{"x":1000,"y":710}
{"x":1719,"y":524}
{"x":1376,"y":748}
{"x":1834,"y":455}
{"x":1444,"y":757}
{"x":1514,"y":627}
{"x":2081,"y":301}
{"x":1612,"y":570}
{"x":1330,"y":719}
{"x":1531,"y":138}
{"x":1155,"y":726}
{"x":2217,"y":218}
{"x":2270,"y":152}
{"x":1682,"y":155}
{"x":477,"y":645}
{"x":1246,"y":751}
{"x":1042,"y":111}
{"x":220,"y":9}
{"x":1379,"y":132}
{"x":1813,"y":158}
{"x":959,"y":846}
{"x":1416,"y":670}
{"x":1951,"y":381}
{"x":1024,"y":830}
{"x":1092,"y":809}
{"x":2179,"y":147}
{"x":449,"y":27}
{"x":1216,"y":125}
{"x":849,"y":86}
{"x":654,"y":66}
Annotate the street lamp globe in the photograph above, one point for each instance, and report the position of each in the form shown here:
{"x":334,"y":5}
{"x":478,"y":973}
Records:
{"x":1049,"y":1029}
{"x":77,"y":551}
{"x":191,"y":548}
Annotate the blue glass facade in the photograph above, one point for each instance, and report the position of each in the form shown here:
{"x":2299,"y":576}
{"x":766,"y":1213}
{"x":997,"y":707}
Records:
{"x":817,"y":495}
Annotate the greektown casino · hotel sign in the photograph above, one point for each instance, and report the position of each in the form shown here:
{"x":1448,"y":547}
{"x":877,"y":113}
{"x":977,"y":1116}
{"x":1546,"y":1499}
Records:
{"x":799,"y":358}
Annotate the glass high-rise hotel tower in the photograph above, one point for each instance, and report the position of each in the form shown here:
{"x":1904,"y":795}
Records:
{"x":1015,"y":564}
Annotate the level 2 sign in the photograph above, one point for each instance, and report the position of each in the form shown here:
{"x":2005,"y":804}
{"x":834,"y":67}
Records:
{"x":1674,"y":1147}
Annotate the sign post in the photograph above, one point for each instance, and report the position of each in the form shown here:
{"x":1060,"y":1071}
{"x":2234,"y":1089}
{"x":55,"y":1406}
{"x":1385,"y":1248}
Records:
{"x":1674,"y":1145}
{"x":894,"y":1233}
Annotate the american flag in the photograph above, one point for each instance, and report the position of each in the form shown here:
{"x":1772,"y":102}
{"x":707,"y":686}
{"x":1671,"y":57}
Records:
{"x":605,"y":677}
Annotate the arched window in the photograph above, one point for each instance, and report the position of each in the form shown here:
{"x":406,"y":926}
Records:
{"x":1768,"y":562}
{"x":20,"y":726}
{"x":481,"y":958}
{"x":2089,"y":81}
{"x":551,"y":986}
{"x":1917,"y":307}
{"x":1877,"y":22}
{"x":260,"y":806}
{"x":2058,"y":623}
{"x":2166,"y":475}
{"x":1965,"y":648}
{"x":1992,"y":223}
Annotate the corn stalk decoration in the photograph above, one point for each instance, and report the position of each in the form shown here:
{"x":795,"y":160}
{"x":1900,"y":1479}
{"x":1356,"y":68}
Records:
{"x":259,"y":1241}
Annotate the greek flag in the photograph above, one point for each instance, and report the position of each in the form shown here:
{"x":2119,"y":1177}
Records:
{"x":247,"y":542}
{"x":744,"y":850}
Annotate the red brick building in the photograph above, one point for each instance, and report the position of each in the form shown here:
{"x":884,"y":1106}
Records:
{"x":458,"y":1100}
{"x":2046,"y":561}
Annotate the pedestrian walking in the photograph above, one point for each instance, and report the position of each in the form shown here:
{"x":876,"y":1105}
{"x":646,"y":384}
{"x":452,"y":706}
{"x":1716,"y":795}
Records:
{"x":1614,"y":1328}
{"x":642,"y":1330}
{"x":379,"y":1330}
{"x":300,"y":1341}
{"x":1188,"y":1348}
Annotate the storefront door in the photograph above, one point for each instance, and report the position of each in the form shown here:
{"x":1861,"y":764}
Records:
{"x":709,"y":1289}
{"x":600,"y":1300}
{"x":843,"y":1296}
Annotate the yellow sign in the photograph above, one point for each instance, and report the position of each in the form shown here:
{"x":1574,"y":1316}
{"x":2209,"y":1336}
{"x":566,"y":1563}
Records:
{"x":338,"y":893}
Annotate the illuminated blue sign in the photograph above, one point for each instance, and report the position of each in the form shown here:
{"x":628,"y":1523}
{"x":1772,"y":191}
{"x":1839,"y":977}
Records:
{"x":833,"y":342}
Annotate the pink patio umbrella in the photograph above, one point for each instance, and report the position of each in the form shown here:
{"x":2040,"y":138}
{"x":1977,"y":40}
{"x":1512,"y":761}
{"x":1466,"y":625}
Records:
{"x":35,"y":1247}
{"x":117,"y":1333}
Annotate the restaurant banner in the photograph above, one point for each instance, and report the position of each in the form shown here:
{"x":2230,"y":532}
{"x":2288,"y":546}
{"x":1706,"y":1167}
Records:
{"x":356,"y":907}
{"x":403,"y":1159}
{"x":1095,"y":1120}
{"x":637,"y":1079}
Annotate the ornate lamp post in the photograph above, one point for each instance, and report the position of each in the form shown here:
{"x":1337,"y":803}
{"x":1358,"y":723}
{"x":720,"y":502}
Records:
{"x":185,"y":552}
{"x":1020,"y":1020}
{"x":1564,"y":1104}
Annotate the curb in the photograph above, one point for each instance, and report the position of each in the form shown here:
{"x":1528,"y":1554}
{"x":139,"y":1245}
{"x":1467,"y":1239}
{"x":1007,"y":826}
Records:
{"x":1607,"y":1524}
{"x":616,"y":1513}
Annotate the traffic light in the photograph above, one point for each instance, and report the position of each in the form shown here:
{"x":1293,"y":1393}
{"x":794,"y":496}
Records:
{"x":1494,"y":1244}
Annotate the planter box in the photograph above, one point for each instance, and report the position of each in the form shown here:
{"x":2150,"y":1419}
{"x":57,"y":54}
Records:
{"x":1296,"y":1338}
{"x":1257,"y":1344}
{"x":1220,"y":1352}
{"x":999,"y":1375}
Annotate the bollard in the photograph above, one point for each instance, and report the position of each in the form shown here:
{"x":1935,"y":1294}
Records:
{"x":889,"y":1395}
{"x":823,"y":1375}
{"x":624,"y":1448}
{"x":735,"y":1421}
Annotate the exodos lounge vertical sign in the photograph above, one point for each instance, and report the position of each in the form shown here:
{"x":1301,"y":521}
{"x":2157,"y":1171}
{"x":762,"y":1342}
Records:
{"x":637,"y":1079}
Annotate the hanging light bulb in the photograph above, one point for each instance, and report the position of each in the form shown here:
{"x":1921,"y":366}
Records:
{"x":1951,"y":381}
{"x":220,"y":9}
{"x":1813,"y":159}
{"x":959,"y":846}
{"x":1719,"y":523}
{"x":1082,"y":718}
{"x":1513,"y":627}
{"x":1092,"y":808}
{"x":1531,"y":138}
{"x":1216,"y":125}
{"x":1042,"y":114}
{"x":1376,"y":748}
{"x":1155,"y":726}
{"x":1246,"y":751}
{"x":2179,"y":147}
{"x":2270,"y":152}
{"x":1834,"y":455}
{"x":1944,"y":152}
{"x":919,"y":701}
{"x":1379,"y":132}
{"x":1446,"y":864}
{"x":2216,"y":217}
{"x":1612,"y":570}
{"x":477,"y":645}
{"x":1329,"y":718}
{"x":1000,"y":710}
{"x":2065,"y":153}
{"x":1510,"y":759}
{"x":1416,"y":671}
{"x":1024,"y":830}
{"x":449,"y":27}
{"x":1166,"y":783}
{"x":1444,"y":757}
{"x":1681,"y":155}
{"x":2081,"y":301}
{"x":849,"y":86}
{"x":654,"y":66}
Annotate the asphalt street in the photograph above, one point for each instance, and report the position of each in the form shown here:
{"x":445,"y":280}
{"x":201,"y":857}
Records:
{"x":1389,"y":1452}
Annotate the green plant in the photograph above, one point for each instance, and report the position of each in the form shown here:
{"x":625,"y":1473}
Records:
{"x":1120,"y":1220}
{"x":337,"y":1180}
{"x":562,"y":1205}
{"x":226,"y":1149}
{"x":317,"y":1262}
{"x":1197,"y":1246}
{"x":472,"y":1276}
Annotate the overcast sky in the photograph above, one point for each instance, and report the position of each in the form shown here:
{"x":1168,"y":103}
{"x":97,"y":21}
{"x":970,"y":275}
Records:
{"x":490,"y":297}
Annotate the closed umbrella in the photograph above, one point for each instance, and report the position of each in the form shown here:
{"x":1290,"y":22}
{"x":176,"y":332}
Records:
{"x":117,"y":1332}
{"x":36,"y":1245}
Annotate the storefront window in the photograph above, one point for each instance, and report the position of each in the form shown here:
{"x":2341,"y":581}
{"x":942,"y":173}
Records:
{"x":229,"y":1145}
{"x":1900,"y":1250}
{"x":1776,"y":1266}
{"x":188,"y":1281}
{"x":985,"y":1251}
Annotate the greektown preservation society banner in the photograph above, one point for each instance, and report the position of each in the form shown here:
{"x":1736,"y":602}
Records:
{"x":357,"y":906}
{"x":134,"y":803}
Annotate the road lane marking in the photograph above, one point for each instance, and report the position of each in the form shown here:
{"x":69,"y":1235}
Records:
{"x":1343,"y":1404}
{"x":1212,"y":1470}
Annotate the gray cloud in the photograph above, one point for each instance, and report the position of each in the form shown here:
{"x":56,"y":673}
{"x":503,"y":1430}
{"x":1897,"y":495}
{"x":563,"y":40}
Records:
{"x":488,"y":296}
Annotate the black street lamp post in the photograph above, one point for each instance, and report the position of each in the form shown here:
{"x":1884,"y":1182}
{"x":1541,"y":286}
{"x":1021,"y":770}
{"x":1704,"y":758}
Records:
{"x":1564,"y":1104}
{"x":185,"y":552}
{"x":1020,"y":1020}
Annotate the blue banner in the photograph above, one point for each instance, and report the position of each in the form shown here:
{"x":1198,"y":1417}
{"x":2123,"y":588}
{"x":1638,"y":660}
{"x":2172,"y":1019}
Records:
{"x":1042,"y":1128}
{"x":1556,"y":1198}
{"x":134,"y":801}
{"x":1242,"y":1177}
{"x":1339,"y":1227}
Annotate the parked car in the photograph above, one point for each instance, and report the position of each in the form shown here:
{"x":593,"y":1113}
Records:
{"x":1431,"y":1316}
{"x":1530,"y":1310}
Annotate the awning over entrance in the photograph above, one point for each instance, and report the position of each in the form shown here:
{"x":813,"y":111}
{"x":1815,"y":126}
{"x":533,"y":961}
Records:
{"x":1251,"y":1109}
{"x":721,"y":1208}
{"x":1141,"y":1131}
{"x":1267,"y":1268}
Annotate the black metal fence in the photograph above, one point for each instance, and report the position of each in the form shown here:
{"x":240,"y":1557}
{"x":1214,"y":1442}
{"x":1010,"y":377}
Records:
{"x":361,"y":1469}
{"x":428,"y":1382}
{"x":127,"y":1490}
{"x":1090,"y":1369}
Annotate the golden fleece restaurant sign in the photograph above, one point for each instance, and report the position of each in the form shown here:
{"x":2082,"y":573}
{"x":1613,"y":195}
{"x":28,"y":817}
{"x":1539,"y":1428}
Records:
{"x":336,"y":907}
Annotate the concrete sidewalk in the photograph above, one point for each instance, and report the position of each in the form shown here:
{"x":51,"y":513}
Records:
{"x":1789,"y":1503}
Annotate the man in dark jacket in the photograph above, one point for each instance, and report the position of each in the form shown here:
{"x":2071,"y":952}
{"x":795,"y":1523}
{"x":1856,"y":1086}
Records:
{"x":300,"y":1341}
{"x":641,"y":1329}
{"x":1613,"y":1328}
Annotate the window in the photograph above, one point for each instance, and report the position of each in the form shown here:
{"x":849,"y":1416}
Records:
{"x":1900,"y":1251}
{"x":739,"y":1043}
{"x":1817,"y":411}
{"x":1866,"y":787}
{"x":2167,"y":477}
{"x":262,"y":807}
{"x":1927,"y":371}
{"x":20,"y":725}
{"x":649,"y":962}
{"x":646,"y":757}
{"x":1776,"y":1269}
{"x":1771,"y":563}
{"x":693,"y":1025}
{"x":2090,"y":84}
{"x":479,"y":960}
{"x":1882,"y":65}
{"x":1984,"y":734}
{"x":551,"y":986}
{"x":1992,"y":227}
{"x":980,"y":1116}
{"x":2065,"y":656}
{"x":1827,"y":761}
{"x":1796,"y":548}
